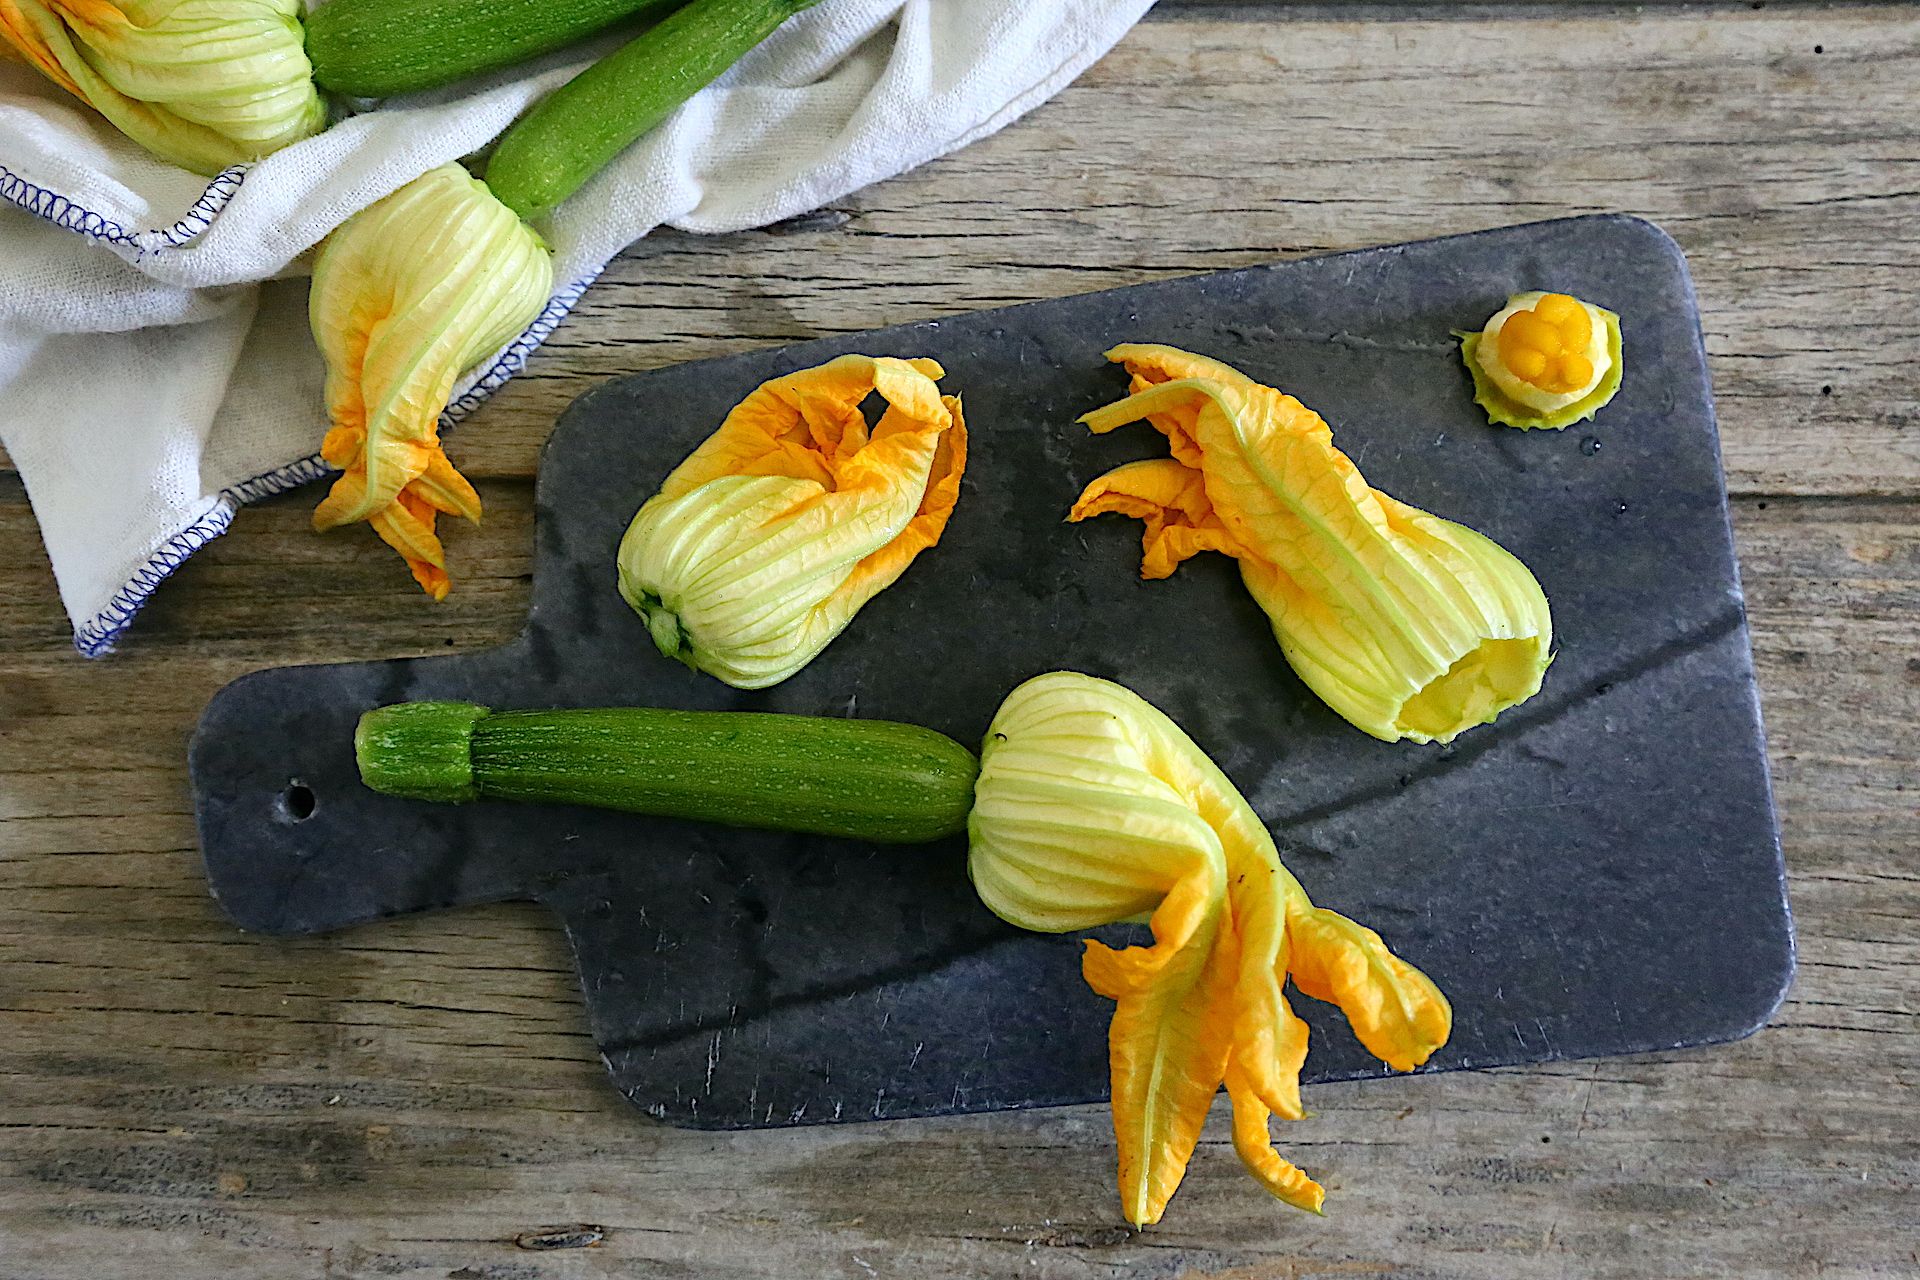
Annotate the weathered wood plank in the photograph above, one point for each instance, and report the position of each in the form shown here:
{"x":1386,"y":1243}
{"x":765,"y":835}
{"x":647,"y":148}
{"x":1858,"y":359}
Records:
{"x":1778,"y":146}
{"x":406,"y":1099}
{"x":1789,"y":176}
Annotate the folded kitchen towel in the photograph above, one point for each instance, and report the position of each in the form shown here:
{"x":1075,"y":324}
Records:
{"x":156,"y":372}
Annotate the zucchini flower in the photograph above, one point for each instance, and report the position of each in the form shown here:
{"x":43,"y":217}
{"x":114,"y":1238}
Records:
{"x":406,"y":294}
{"x":1093,"y":807}
{"x":762,"y":545}
{"x":1545,"y":360}
{"x":204,"y":84}
{"x":1407,"y":625}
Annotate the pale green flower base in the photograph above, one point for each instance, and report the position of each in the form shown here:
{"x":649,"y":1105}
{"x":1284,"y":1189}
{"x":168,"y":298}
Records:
{"x":1504,"y":411}
{"x":663,"y":624}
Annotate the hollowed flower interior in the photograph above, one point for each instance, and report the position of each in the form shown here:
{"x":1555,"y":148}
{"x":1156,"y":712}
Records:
{"x":1483,"y":683}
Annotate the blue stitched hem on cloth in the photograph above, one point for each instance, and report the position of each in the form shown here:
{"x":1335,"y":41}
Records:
{"x":96,"y":637}
{"x":62,"y":212}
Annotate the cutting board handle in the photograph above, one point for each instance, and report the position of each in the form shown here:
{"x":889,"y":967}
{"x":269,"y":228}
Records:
{"x":293,"y":842}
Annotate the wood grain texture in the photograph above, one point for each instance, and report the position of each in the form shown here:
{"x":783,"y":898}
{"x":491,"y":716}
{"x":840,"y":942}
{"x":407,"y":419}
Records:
{"x":1218,"y":137}
{"x":421,"y":1098}
{"x":408,"y":1098}
{"x":1790,"y":177}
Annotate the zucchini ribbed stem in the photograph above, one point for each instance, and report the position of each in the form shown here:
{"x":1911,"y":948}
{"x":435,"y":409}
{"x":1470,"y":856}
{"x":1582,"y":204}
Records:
{"x":422,"y":750}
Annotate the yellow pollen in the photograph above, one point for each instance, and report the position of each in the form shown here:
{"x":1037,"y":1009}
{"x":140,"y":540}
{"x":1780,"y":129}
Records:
{"x":1546,"y":345}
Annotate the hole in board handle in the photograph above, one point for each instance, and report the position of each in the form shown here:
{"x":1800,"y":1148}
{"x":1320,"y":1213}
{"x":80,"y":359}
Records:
{"x":297,"y":802}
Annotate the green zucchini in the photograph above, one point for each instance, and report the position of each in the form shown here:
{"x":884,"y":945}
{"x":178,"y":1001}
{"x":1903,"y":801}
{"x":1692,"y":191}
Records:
{"x":577,"y":129}
{"x":377,"y":48}
{"x":863,"y":779}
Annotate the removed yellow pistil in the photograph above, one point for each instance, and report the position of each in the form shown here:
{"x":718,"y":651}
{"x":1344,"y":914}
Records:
{"x":1546,"y":345}
{"x":1544,"y":360}
{"x":1093,"y":807}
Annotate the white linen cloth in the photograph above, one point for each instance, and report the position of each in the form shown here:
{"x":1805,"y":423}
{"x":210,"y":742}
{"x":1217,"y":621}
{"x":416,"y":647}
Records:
{"x":156,"y":372}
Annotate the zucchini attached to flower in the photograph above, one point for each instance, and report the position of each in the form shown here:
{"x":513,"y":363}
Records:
{"x":1086,"y":807}
{"x":406,"y":294}
{"x":577,"y":130}
{"x":1407,"y":625}
{"x":207,"y":84}
{"x":421,"y":286}
{"x":379,"y":48}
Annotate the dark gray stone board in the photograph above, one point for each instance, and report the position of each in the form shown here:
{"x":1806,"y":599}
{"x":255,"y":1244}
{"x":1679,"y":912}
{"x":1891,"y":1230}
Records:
{"x":1599,"y":872}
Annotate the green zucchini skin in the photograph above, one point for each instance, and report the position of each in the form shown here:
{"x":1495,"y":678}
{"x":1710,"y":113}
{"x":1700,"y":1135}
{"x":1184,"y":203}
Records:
{"x":862,"y":779}
{"x":422,"y":750}
{"x":580,"y":127}
{"x":379,"y":48}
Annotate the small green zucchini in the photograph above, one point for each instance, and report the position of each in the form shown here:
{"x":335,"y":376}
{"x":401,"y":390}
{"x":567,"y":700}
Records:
{"x":580,"y":127}
{"x":863,"y":779}
{"x":378,"y":48}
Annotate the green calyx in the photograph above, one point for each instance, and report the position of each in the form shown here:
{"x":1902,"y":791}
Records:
{"x":663,"y":624}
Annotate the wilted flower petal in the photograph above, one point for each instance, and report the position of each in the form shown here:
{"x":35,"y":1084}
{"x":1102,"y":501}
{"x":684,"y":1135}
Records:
{"x":203,"y":83}
{"x":407,"y":294}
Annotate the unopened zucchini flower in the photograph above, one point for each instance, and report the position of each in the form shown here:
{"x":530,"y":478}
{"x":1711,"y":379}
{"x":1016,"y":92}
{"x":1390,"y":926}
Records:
{"x":204,"y":84}
{"x":761,"y":546}
{"x":1407,"y":625}
{"x":407,"y":294}
{"x":1093,"y":807}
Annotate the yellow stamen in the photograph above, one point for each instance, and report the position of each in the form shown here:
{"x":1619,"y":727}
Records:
{"x":1546,"y":344}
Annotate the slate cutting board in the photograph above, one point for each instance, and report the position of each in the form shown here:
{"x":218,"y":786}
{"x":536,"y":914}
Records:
{"x":1599,"y":872}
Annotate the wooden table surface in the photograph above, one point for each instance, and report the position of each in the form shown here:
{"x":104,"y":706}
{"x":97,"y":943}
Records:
{"x":421,"y":1098}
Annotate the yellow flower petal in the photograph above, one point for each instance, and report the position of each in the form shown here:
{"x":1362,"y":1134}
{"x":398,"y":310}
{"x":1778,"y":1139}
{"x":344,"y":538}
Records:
{"x":30,"y":31}
{"x":406,"y":525}
{"x":1092,"y":807}
{"x":1169,"y":1040}
{"x":1408,"y":625}
{"x":761,"y":546}
{"x":1171,"y":499}
{"x":1253,"y":1143}
{"x":203,"y":83}
{"x":406,"y":295}
{"x":1394,"y":1009}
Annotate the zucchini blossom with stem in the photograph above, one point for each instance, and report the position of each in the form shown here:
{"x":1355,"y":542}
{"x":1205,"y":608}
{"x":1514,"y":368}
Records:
{"x":761,"y":546}
{"x":1092,"y":807}
{"x":204,"y":84}
{"x":407,"y":294}
{"x":1407,"y":625}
